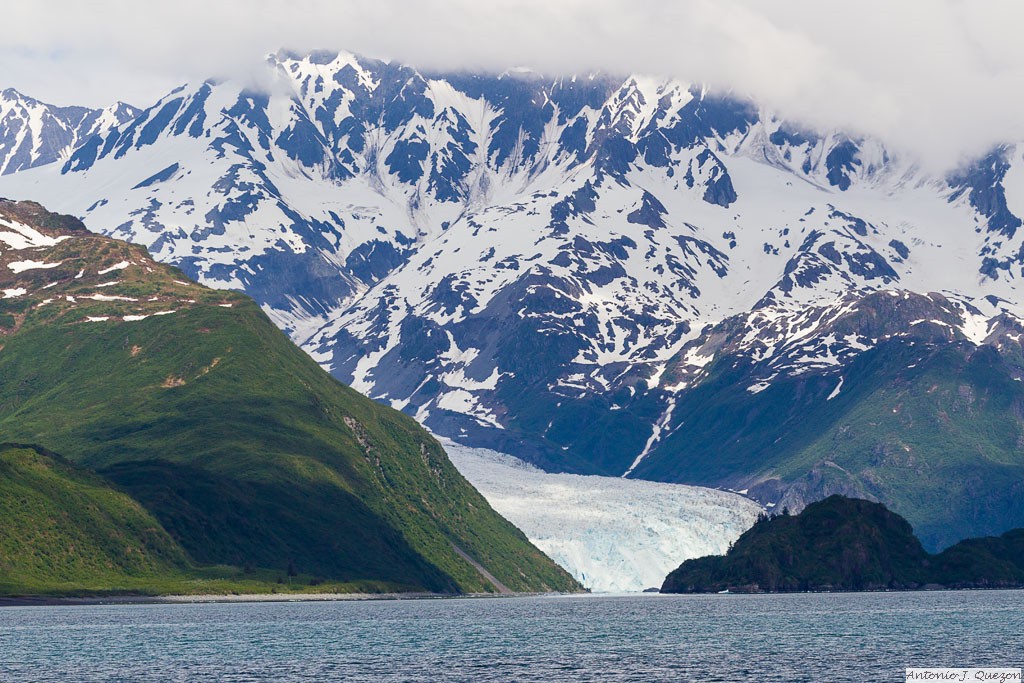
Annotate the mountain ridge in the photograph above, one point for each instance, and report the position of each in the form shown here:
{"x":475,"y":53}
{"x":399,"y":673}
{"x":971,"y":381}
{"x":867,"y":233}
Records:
{"x":248,"y":455}
{"x":507,"y":257}
{"x":36,"y":133}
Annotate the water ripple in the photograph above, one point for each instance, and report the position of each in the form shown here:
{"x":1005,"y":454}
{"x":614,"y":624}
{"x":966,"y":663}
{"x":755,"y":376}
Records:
{"x":771,"y":638}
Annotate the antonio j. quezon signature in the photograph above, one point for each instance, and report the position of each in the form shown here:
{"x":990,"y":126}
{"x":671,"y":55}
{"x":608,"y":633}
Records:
{"x":988,"y":675}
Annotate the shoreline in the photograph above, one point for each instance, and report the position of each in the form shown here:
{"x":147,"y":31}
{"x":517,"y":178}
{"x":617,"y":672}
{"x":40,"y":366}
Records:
{"x":227,"y":598}
{"x":223,"y":598}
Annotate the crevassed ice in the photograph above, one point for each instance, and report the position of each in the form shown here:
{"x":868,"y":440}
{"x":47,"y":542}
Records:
{"x":612,"y":534}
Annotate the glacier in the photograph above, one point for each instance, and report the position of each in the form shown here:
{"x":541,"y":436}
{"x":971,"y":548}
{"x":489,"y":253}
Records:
{"x":613,"y":535}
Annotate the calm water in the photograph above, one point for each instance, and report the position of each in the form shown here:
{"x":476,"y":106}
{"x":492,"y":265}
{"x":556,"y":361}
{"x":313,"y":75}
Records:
{"x":842,"y":637}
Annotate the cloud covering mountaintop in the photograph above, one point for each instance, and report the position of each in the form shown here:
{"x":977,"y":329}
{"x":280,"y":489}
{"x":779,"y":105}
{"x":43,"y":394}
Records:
{"x":935,"y":78}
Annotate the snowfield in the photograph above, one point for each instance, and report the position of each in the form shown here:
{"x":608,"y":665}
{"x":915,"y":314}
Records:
{"x":614,"y":535}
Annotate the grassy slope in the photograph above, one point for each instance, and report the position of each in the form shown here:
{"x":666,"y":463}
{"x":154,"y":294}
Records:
{"x":66,"y":531}
{"x":937,"y":442}
{"x":243,"y":448}
{"x":63,"y":527}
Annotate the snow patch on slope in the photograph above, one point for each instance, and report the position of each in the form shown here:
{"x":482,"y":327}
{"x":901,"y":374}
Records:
{"x":22,"y":266}
{"x":20,"y":236}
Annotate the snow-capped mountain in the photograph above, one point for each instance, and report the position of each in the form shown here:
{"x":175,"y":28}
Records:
{"x":33,"y":133}
{"x":552,"y":266}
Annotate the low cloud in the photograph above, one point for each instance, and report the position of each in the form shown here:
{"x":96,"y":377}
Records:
{"x":939,"y":79}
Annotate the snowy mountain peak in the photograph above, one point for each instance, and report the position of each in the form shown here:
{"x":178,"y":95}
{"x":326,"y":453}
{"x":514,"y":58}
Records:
{"x":33,"y":133}
{"x":505,"y":256}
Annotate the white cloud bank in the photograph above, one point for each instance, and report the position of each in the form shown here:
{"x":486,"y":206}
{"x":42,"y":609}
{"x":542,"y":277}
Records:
{"x":939,"y":78}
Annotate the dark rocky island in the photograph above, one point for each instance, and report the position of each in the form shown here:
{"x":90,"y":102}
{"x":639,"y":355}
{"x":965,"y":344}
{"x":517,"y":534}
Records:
{"x":847,"y":544}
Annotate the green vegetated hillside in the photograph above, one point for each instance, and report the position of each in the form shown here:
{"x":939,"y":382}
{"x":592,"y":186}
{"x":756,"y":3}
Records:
{"x":63,"y":527}
{"x":848,"y":544}
{"x":933,"y":430}
{"x":247,"y":454}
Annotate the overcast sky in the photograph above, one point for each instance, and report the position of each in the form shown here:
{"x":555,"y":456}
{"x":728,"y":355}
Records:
{"x":937,"y":78}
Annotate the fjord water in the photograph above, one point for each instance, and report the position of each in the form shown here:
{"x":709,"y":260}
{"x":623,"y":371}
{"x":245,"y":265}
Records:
{"x":800,"y":637}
